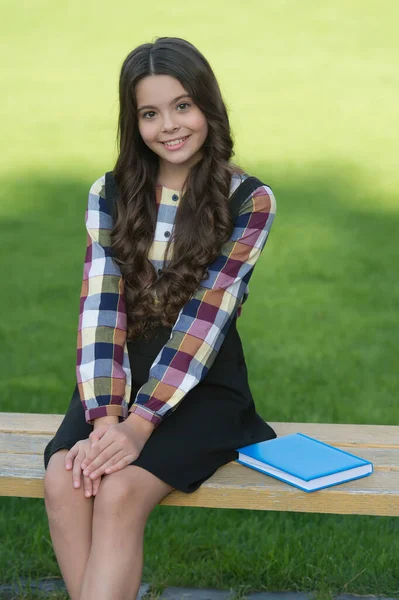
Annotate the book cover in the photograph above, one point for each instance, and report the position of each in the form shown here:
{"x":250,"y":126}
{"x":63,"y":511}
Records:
{"x":304,"y":462}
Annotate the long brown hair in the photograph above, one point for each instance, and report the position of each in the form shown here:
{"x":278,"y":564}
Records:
{"x":203,"y":221}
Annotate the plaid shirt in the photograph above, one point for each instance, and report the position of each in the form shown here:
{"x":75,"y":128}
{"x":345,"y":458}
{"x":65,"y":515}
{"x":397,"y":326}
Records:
{"x":103,"y":368}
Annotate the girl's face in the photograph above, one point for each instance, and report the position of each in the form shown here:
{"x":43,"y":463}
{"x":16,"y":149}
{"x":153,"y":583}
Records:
{"x":166,"y":113}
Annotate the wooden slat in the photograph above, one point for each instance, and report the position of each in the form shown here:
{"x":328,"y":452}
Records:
{"x":23,"y":443}
{"x":23,"y":438}
{"x":236,"y":486}
{"x":377,"y":494}
{"x":31,"y":466}
{"x":342,"y":434}
{"x":11,"y":443}
{"x":30,"y":423}
{"x":345,"y":435}
{"x":21,"y":466}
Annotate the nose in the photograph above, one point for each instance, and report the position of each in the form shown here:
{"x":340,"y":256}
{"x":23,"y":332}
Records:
{"x":168,"y":123}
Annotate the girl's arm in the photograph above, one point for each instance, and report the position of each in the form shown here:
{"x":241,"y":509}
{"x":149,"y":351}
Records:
{"x":204,"y":320}
{"x":102,"y":367}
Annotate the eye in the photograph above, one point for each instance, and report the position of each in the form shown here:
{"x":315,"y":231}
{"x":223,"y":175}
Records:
{"x":148,"y":113}
{"x":183,"y":104}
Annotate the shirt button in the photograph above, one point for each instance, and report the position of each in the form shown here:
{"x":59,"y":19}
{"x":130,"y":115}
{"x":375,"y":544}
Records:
{"x":167,"y":234}
{"x":175,"y":197}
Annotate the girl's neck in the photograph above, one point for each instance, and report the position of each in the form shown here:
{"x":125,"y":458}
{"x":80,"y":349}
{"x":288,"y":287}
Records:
{"x":172,"y":184}
{"x":173,"y":176}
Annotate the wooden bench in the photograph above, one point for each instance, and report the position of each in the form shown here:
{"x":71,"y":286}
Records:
{"x":23,"y":438}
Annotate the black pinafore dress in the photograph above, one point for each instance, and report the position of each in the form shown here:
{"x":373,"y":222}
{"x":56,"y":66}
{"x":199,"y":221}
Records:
{"x":215,"y":417}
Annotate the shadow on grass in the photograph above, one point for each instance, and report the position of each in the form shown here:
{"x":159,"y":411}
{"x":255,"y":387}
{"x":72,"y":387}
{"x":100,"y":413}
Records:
{"x":325,"y":293}
{"x":325,"y":290}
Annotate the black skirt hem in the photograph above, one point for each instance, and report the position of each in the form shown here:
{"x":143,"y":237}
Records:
{"x":49,"y":452}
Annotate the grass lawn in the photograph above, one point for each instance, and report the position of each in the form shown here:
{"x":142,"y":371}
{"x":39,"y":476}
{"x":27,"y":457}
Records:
{"x":312,"y":93}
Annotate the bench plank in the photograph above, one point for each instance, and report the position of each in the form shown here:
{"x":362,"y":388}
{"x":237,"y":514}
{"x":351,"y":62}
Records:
{"x":236,"y":486}
{"x":382,"y":458}
{"x":23,"y":438}
{"x":380,"y":497}
{"x":342,"y":434}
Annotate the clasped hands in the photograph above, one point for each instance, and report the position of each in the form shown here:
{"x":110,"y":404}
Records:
{"x":109,"y":448}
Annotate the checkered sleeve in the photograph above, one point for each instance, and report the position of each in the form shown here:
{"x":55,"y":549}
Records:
{"x":102,"y":367}
{"x":203,"y":322}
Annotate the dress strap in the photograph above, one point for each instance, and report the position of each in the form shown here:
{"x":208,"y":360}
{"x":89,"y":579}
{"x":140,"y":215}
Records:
{"x":247,"y":187}
{"x":111,"y":190}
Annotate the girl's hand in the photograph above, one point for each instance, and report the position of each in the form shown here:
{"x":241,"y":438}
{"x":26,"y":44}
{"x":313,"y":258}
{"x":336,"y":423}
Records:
{"x":117,"y":447}
{"x":73,"y":460}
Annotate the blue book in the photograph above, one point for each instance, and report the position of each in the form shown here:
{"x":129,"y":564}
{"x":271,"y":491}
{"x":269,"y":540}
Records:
{"x":304,"y":462}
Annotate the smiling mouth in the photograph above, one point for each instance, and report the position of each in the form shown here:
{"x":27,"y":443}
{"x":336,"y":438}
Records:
{"x":175,"y":142}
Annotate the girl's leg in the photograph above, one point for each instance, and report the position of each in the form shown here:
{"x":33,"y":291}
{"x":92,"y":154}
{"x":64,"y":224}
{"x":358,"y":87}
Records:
{"x":70,"y":517}
{"x":121,"y":508}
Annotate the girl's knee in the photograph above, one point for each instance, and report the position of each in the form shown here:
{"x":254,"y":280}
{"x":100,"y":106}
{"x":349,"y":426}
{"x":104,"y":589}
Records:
{"x":57,"y":479}
{"x":131,"y":488}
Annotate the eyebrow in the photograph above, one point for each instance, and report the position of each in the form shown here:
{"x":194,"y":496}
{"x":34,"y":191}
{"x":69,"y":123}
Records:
{"x":172,"y":102}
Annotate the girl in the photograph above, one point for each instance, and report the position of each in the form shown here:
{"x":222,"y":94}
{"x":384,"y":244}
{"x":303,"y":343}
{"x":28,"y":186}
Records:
{"x":162,"y":397}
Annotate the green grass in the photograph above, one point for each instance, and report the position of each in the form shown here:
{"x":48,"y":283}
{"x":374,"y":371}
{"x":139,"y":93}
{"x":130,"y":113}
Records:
{"x":312,"y":91}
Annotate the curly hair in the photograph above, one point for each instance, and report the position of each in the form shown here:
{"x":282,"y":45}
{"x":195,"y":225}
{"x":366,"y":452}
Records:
{"x":203,"y":222}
